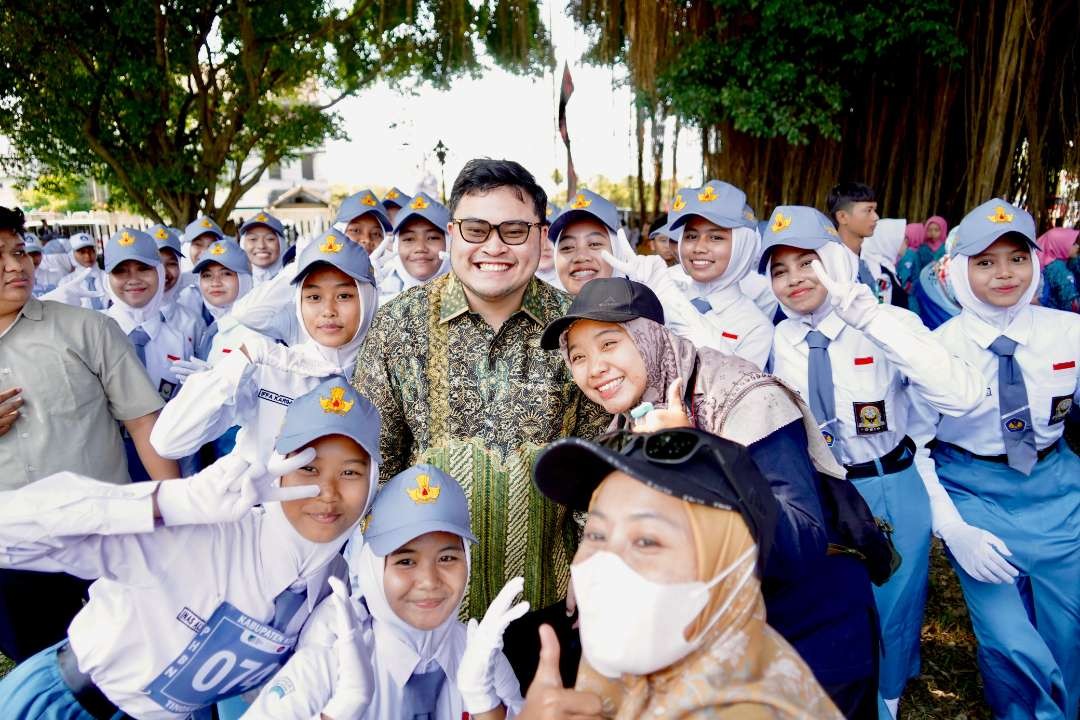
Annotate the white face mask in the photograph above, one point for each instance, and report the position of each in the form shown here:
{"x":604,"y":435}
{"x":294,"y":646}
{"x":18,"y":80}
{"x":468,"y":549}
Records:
{"x":634,"y":626}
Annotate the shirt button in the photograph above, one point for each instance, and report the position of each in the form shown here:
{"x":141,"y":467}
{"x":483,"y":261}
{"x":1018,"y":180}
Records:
{"x":30,"y":468}
{"x":24,"y":435}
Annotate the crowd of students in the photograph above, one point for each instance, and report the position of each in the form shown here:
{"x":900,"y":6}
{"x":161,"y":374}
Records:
{"x":723,"y":462}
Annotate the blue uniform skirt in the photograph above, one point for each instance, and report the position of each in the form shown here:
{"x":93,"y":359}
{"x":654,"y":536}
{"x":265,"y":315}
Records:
{"x":34,"y":690}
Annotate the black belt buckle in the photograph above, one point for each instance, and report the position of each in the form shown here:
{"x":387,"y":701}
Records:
{"x":899,"y":458}
{"x":86,"y":693}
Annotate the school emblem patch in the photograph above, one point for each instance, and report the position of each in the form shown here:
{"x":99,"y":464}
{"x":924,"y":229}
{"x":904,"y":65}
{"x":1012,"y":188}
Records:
{"x":1000,"y":216}
{"x":393,"y":194}
{"x":581,"y":202}
{"x":1016,"y":425}
{"x":126,"y":239}
{"x":780,"y":223}
{"x":217,"y":249}
{"x":870,"y":418}
{"x":424,"y":492}
{"x":419,"y":203}
{"x":369,"y":200}
{"x":829,"y":439}
{"x":679,"y":203}
{"x":206,"y":223}
{"x":1059,"y":409}
{"x":261,"y":217}
{"x":330,"y":245}
{"x":162,"y":234}
{"x":830,"y":230}
{"x":336,"y":403}
{"x":748,"y":215}
{"x":708,"y":195}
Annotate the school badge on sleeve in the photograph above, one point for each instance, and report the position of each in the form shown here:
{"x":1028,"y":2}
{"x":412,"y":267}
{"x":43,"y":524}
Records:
{"x":870,"y":418}
{"x":1059,"y":409}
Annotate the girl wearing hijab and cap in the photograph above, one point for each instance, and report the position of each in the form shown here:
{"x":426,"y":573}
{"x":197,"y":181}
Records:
{"x":863,"y":365}
{"x":393,"y":201}
{"x":176,"y":315}
{"x":419,"y":249}
{"x":624,"y":359}
{"x":1059,"y":256}
{"x":85,"y":285}
{"x":937,"y":230}
{"x":41,"y":281}
{"x":251,"y":384}
{"x":394,"y":647}
{"x":718,"y":248}
{"x":1008,"y":501}
{"x":668,"y":585}
{"x":199,"y":234}
{"x":363,"y":220}
{"x":263,"y":239}
{"x":199,"y":594}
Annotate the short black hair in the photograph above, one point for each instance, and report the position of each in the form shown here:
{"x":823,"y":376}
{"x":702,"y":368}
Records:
{"x":481,"y":175}
{"x":846,"y":194}
{"x":12,"y":220}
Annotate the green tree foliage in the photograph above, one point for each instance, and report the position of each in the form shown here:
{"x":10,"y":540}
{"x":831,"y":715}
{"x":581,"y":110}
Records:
{"x":57,"y":193}
{"x":173,"y":101}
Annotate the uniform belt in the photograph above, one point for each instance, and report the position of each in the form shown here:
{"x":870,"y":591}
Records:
{"x":897,"y":459}
{"x":1000,"y":459}
{"x":86,"y":693}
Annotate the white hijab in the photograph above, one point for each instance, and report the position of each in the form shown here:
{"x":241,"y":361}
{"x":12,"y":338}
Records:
{"x":408,"y":280}
{"x":839,"y":262}
{"x":998,"y":318}
{"x":745,"y":251}
{"x":260,"y":275}
{"x":883,"y":247}
{"x":345,"y":356}
{"x":148,"y":315}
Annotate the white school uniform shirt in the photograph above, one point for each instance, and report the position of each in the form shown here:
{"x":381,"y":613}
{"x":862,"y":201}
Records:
{"x":187,"y":323}
{"x":270,"y":307}
{"x":54,"y":267}
{"x":304,"y":686}
{"x":874,"y":373}
{"x":1048,"y":352}
{"x":156,"y":584}
{"x":758,"y":288}
{"x":168,"y":344}
{"x":100,"y":279}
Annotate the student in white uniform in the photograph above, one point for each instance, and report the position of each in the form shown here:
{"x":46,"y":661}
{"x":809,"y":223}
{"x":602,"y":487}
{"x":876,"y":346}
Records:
{"x":263,"y":239}
{"x":719,"y":246}
{"x":251,"y":385}
{"x":177,"y":316}
{"x":853,"y":208}
{"x":200,"y":595}
{"x":363,"y":220}
{"x":224,"y":276}
{"x":861,"y":365}
{"x":395,"y":648}
{"x":41,"y":280}
{"x":199,"y":234}
{"x":420,"y":249}
{"x":1008,"y":501}
{"x":85,"y":286}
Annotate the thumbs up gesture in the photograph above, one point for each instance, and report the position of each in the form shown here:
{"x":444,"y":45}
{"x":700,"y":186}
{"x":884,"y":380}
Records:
{"x":547,"y":699}
{"x":854,"y":303}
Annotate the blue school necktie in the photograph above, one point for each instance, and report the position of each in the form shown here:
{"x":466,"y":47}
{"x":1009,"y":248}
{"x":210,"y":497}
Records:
{"x":139,"y":339}
{"x":1016,"y":428}
{"x":702,"y":305}
{"x":822,"y":391}
{"x":866,"y":277}
{"x":95,"y":302}
{"x":421,"y":694}
{"x":286,"y":605}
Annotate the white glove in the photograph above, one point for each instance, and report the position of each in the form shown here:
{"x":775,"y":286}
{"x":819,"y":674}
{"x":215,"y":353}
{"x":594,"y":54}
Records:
{"x":854,"y":303}
{"x":979,"y":552}
{"x":183,"y":369}
{"x":227,"y":490}
{"x":645,"y":269}
{"x":476,"y":672}
{"x":300,"y":359}
{"x":382,"y":256}
{"x":355,"y":680}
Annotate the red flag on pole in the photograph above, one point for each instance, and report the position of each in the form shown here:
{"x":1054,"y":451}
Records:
{"x":565,"y":92}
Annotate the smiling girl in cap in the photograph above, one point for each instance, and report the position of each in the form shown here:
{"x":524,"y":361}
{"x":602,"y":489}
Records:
{"x":419,"y":251}
{"x":263,"y":239}
{"x":201,"y":596}
{"x":363,"y":220}
{"x":1008,"y":501}
{"x":394,"y":648}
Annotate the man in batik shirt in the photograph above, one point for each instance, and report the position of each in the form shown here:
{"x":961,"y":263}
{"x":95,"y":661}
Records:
{"x":456,"y":370}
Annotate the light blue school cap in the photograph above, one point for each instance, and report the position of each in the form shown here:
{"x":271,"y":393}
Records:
{"x":225,"y":253}
{"x":336,"y":249}
{"x":419,"y":500}
{"x":395,"y":198}
{"x":333,"y":407}
{"x":986,"y":223}
{"x":552,"y":212}
{"x":78,"y":241}
{"x":423,"y":206}
{"x":796,"y":226}
{"x":200,"y":226}
{"x":265,"y":219}
{"x":718,"y":202}
{"x":362,"y":203}
{"x":130,"y":244}
{"x":585,"y":204}
{"x":165,"y":238}
{"x":32,"y":245}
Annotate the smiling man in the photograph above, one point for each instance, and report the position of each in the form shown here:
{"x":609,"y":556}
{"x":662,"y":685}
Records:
{"x":456,"y":370}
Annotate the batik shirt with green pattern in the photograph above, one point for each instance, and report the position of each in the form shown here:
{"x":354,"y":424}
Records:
{"x":480,"y":404}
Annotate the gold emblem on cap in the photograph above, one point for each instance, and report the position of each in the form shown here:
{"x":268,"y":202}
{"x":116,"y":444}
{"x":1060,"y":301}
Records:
{"x":419,"y":203}
{"x":369,"y":200}
{"x":206,"y":223}
{"x":581,"y":202}
{"x":1000,"y":216}
{"x":424,"y":492}
{"x":218,"y":249}
{"x":393,"y":194}
{"x":747,"y":214}
{"x":708,"y":195}
{"x":336,"y":403}
{"x":126,"y":239}
{"x":162,"y":234}
{"x":780,"y":223}
{"x":830,"y":230}
{"x":330,"y":245}
{"x":261,"y":217}
{"x":679,"y":203}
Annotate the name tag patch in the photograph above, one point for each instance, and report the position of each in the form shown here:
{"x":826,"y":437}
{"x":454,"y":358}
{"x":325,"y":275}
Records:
{"x":870,"y":418}
{"x":1059,"y":409}
{"x":193,"y":621}
{"x":273,"y":397}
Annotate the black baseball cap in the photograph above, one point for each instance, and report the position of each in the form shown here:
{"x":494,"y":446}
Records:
{"x":608,"y":300}
{"x":687,"y":463}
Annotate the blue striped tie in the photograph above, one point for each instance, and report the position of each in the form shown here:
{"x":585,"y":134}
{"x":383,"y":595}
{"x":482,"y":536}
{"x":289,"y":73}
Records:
{"x":139,"y":339}
{"x":702,"y":305}
{"x":821,"y":389}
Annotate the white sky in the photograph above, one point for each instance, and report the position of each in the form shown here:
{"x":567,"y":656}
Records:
{"x":498,"y":115}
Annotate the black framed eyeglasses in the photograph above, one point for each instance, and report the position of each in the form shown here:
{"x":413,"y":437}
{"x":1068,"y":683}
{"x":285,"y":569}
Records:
{"x":663,"y":446}
{"x":511,"y":232}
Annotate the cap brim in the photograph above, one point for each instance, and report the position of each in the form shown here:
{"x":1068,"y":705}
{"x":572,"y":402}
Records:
{"x":304,"y":270}
{"x":975,"y":249}
{"x":569,"y":216}
{"x":715,"y":218}
{"x":248,"y":225}
{"x":378,"y":211}
{"x":386,"y":543}
{"x":549,"y":340}
{"x":291,"y":443}
{"x":802,"y":243}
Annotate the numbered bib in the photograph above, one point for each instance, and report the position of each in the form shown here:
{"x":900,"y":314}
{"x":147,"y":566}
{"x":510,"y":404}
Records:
{"x":232,"y":654}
